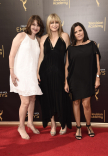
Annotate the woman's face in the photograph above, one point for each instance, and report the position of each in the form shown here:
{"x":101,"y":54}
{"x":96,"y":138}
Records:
{"x":79,"y":33}
{"x":35,"y":28}
{"x":54,"y":26}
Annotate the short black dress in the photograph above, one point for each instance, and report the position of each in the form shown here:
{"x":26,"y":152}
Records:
{"x":52,"y":74}
{"x":82,"y":70}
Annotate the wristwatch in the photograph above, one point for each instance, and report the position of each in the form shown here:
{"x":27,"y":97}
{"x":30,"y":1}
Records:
{"x":97,"y":75}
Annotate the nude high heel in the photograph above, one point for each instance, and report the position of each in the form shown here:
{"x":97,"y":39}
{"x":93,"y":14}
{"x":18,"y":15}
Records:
{"x":26,"y":136}
{"x":35,"y":131}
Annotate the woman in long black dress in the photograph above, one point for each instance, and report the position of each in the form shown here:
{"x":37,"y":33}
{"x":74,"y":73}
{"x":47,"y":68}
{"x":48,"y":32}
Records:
{"x":82,"y":72}
{"x":51,"y":74}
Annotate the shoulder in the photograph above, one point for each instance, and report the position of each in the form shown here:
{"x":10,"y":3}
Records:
{"x":88,"y":41}
{"x":64,"y":35}
{"x":19,"y":37}
{"x":94,"y":42}
{"x":43,"y":38}
{"x":70,"y":47}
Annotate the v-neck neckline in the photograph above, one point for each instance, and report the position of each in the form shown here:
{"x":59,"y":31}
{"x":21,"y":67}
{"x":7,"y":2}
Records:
{"x":55,"y":43}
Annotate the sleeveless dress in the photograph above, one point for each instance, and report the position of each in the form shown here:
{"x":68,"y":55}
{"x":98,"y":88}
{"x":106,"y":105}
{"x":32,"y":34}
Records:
{"x":52,"y":74}
{"x":82,"y":70}
{"x":25,"y":68}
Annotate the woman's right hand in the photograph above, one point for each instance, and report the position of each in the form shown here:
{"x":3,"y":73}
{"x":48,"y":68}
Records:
{"x":66,"y":87}
{"x":38,"y":77}
{"x":14,"y":80}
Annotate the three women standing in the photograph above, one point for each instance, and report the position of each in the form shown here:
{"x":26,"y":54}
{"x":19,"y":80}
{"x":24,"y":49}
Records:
{"x":82,"y":72}
{"x":51,"y":75}
{"x":23,"y":61}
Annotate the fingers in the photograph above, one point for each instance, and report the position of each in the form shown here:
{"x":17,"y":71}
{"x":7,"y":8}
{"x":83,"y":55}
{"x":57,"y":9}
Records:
{"x":16,"y":78}
{"x":66,"y":89}
{"x":15,"y":81}
{"x":39,"y":81}
{"x":96,"y":86}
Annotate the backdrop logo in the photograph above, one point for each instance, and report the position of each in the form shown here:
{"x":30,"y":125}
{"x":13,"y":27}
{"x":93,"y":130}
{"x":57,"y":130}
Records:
{"x":62,"y":23}
{"x":96,"y":94}
{"x":97,"y":115}
{"x":35,"y":115}
{"x":1,"y":112}
{"x":98,"y":4}
{"x":3,"y":94}
{"x":98,"y":24}
{"x":61,"y":2}
{"x":24,"y":2}
{"x":2,"y":51}
{"x":21,"y":28}
{"x":102,"y":71}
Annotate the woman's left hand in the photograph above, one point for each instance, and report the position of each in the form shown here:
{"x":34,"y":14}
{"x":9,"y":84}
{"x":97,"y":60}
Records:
{"x":97,"y":82}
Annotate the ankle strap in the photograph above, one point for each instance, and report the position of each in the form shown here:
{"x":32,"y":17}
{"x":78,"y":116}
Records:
{"x":78,"y":126}
{"x":88,"y":125}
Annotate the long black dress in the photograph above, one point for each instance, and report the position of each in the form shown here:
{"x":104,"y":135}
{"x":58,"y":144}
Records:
{"x":52,"y":74}
{"x":82,"y":70}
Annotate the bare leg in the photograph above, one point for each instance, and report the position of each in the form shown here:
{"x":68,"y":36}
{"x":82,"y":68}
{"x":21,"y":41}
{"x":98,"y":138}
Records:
{"x":87,"y":112}
{"x":76,"y":110}
{"x":30,"y":115}
{"x":22,"y":114}
{"x":53,"y":126}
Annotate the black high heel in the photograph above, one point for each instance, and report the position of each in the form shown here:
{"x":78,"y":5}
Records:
{"x":90,"y":134}
{"x":78,"y":137}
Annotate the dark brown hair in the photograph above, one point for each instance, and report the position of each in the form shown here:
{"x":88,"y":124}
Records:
{"x":30,"y":22}
{"x":72,"y":33}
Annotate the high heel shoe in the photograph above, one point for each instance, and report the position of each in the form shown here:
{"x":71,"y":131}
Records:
{"x":35,"y":131}
{"x":91,"y":134}
{"x":23,"y":136}
{"x":53,"y":133}
{"x":61,"y":132}
{"x":78,"y":137}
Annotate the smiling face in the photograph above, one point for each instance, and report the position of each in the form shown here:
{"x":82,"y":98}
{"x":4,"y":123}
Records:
{"x":35,"y":28}
{"x":54,"y":26}
{"x":79,"y":33}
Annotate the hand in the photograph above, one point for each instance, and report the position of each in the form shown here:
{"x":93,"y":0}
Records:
{"x":97,"y":82}
{"x":66,"y":87}
{"x":14,"y":80}
{"x":38,"y":77}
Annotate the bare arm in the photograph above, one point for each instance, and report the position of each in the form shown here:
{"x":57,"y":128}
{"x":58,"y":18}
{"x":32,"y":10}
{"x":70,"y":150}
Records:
{"x":66,"y":88}
{"x":65,"y":37}
{"x":41,"y":55}
{"x":97,"y":82}
{"x":15,"y":45}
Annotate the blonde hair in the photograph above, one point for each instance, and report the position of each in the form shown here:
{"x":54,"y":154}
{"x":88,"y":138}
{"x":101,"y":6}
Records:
{"x":51,"y":18}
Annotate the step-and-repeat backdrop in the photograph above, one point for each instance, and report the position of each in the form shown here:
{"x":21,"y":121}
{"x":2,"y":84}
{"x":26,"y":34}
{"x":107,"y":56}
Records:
{"x":14,"y":14}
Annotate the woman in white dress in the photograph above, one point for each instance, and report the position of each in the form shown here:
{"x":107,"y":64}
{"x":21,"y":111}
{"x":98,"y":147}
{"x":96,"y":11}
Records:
{"x":23,"y":61}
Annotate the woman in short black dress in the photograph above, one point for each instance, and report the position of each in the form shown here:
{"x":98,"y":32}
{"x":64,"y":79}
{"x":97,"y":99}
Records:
{"x":52,"y":75}
{"x":82,"y":74}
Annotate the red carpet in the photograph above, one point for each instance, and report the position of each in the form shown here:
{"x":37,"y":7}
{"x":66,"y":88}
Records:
{"x":44,"y":145}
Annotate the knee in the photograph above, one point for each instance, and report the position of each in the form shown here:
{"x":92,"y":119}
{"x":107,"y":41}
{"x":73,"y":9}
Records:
{"x":25,"y":103}
{"x":76,"y":103}
{"x":86,"y":105}
{"x":32,"y":99}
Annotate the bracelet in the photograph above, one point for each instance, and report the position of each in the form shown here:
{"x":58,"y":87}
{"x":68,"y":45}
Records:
{"x":11,"y":67}
{"x":97,"y":75}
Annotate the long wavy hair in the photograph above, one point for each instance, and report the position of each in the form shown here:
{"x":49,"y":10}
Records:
{"x":30,"y":22}
{"x":72,"y":33}
{"x":50,"y":19}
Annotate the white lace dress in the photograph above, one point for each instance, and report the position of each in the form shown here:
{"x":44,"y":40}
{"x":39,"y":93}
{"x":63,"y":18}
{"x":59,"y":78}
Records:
{"x":25,"y":68}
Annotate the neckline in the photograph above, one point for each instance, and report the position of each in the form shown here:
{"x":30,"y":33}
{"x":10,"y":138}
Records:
{"x":31,"y":38}
{"x":52,"y":47}
{"x":83,"y":44}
